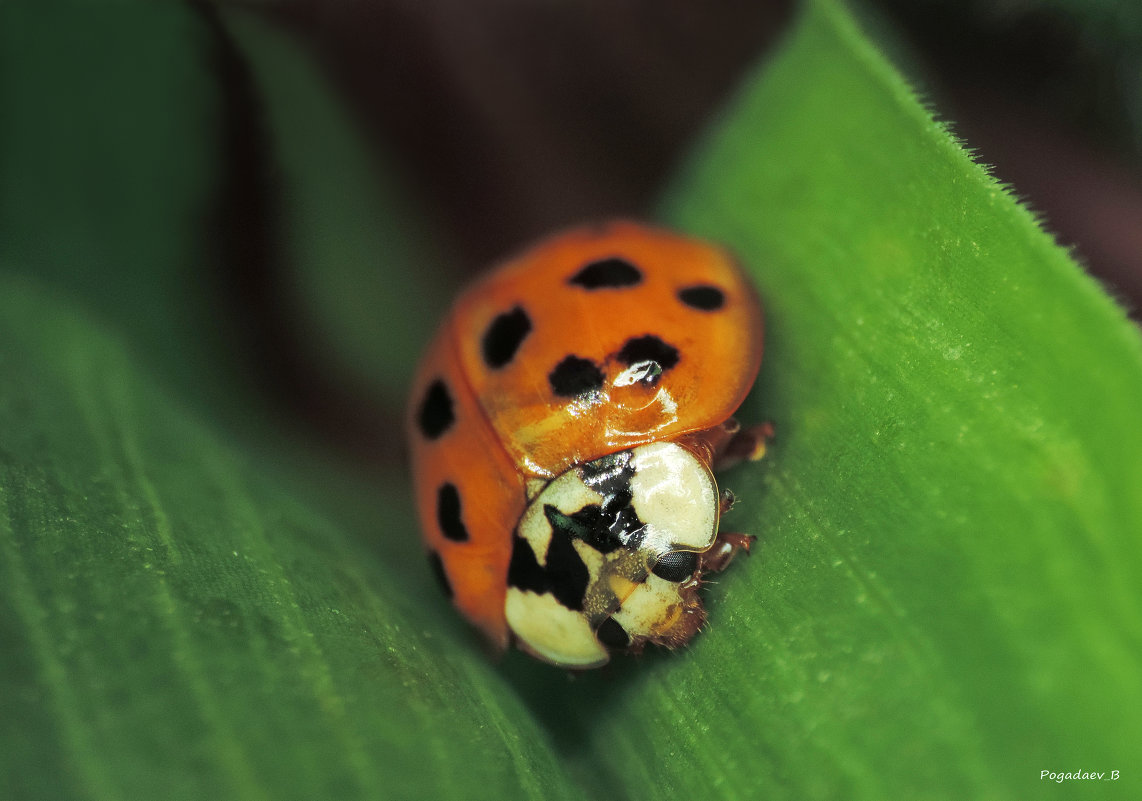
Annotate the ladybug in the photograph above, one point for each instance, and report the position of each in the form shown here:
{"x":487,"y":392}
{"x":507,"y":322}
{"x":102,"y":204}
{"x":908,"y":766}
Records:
{"x":564,"y":424}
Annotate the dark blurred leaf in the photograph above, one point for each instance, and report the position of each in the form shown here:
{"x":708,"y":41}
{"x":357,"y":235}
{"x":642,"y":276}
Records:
{"x":109,"y":157}
{"x":362,"y":266}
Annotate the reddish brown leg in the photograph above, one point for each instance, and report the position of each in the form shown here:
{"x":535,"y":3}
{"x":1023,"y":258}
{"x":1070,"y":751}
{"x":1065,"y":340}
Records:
{"x":725,"y":548}
{"x":745,"y":444}
{"x":726,"y":501}
{"x":726,"y":445}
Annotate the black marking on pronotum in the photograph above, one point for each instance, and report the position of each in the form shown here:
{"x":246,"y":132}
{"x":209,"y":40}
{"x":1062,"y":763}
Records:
{"x":448,"y":513}
{"x":504,"y":336}
{"x":612,"y":524}
{"x":612,"y":634}
{"x":611,"y":273}
{"x":702,"y":297}
{"x":436,"y":565}
{"x":589,"y":524}
{"x":610,"y":477}
{"x":564,"y":576}
{"x":574,"y":376}
{"x":676,"y":565}
{"x":435,"y":414}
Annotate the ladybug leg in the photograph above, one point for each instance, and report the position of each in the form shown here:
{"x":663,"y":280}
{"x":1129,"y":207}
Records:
{"x":726,"y":501}
{"x":743,"y":444}
{"x":729,"y":444}
{"x":725,"y":548}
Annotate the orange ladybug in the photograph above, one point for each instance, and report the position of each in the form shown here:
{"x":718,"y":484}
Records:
{"x":564,"y":425}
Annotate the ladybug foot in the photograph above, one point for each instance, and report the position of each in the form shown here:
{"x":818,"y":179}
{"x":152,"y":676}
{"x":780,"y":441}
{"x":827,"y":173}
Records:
{"x":726,"y":501}
{"x":745,"y":444}
{"x":725,"y":548}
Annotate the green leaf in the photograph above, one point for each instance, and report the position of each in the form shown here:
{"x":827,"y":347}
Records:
{"x":948,"y":596}
{"x":109,"y":160}
{"x":175,"y":626}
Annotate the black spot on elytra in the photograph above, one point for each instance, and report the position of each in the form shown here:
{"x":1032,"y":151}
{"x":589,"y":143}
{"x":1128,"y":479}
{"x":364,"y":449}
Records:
{"x":702,"y":297}
{"x":676,"y":565}
{"x":436,"y":565}
{"x":612,"y":635}
{"x":448,"y":513}
{"x":612,"y":273}
{"x":564,"y":576}
{"x":648,"y":349}
{"x":435,"y":414}
{"x":574,"y":376}
{"x":650,"y":356}
{"x":504,"y":336}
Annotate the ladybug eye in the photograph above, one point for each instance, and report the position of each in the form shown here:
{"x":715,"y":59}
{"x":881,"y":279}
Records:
{"x":676,"y":565}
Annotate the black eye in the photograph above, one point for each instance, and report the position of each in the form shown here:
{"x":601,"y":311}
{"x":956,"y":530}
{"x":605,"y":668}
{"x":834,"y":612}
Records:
{"x":676,"y":565}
